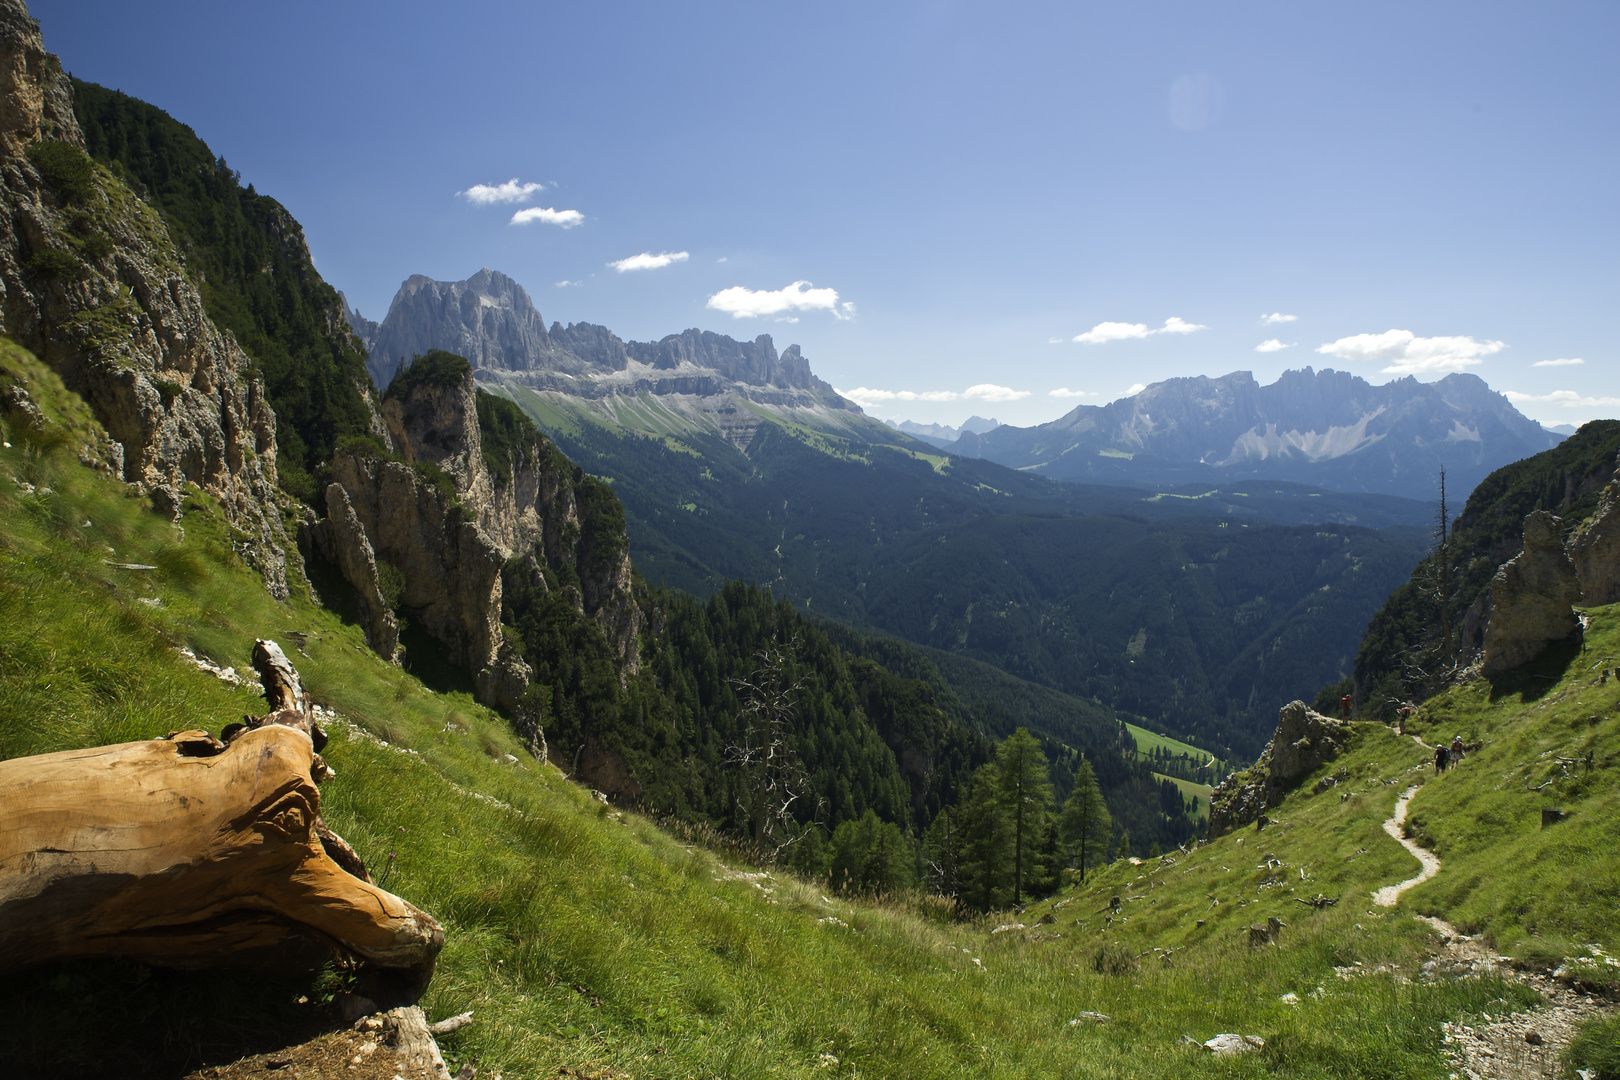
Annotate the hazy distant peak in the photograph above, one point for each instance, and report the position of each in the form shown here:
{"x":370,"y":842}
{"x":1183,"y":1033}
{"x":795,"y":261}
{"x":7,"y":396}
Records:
{"x":1329,"y":428}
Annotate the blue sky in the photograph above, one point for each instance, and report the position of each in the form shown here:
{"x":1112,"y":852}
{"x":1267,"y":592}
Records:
{"x":1418,"y":187}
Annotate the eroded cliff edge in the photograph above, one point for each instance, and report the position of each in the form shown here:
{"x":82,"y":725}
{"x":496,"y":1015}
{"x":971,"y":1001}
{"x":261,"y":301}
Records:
{"x":91,"y":282}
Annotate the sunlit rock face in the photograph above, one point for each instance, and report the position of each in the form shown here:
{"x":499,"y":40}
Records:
{"x":91,"y":282}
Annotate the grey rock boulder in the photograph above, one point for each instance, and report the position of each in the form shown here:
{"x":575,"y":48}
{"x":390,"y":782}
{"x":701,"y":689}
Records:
{"x":1532,"y":598}
{"x":1304,"y":741}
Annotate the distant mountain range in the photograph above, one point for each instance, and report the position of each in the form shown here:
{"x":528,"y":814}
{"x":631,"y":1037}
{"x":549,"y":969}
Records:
{"x":692,"y":381}
{"x":943,"y":435}
{"x":1328,"y":428}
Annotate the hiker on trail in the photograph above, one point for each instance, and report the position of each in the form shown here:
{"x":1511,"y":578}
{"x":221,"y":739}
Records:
{"x":1442,"y":758}
{"x":1344,"y":705}
{"x":1456,"y":748}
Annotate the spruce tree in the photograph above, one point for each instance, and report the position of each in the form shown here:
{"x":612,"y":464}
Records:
{"x":1086,"y":821}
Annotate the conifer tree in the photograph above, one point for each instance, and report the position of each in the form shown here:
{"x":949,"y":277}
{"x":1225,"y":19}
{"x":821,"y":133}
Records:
{"x":1086,"y":821}
{"x":1025,"y":791}
{"x":986,"y":838}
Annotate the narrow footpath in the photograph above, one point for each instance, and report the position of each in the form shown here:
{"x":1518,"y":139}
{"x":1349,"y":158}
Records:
{"x":1517,"y":1046}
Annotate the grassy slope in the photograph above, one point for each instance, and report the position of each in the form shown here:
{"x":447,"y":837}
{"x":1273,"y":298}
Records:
{"x":584,"y":938}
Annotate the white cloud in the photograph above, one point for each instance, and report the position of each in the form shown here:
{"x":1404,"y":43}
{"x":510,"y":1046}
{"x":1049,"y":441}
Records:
{"x":1054,"y":341}
{"x":722,"y":259}
{"x":867,"y":397}
{"x":648,"y":261}
{"x":992,"y":392}
{"x":1273,"y":345}
{"x":1136,"y":388}
{"x":567,"y":284}
{"x":1113,"y":331}
{"x":1568,"y":361}
{"x":1569,"y":399}
{"x":743,"y":303}
{"x":547,"y":216}
{"x":1122,"y":331}
{"x":1277,"y":317}
{"x":510,"y":192}
{"x":1065,"y":392}
{"x":1407,"y":354}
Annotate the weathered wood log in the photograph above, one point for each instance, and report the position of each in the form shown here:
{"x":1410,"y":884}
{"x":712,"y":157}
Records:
{"x":407,"y":1032}
{"x":189,"y":852}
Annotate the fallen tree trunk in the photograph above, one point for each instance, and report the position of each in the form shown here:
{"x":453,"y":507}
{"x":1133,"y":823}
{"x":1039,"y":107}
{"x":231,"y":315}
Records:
{"x":188,"y":852}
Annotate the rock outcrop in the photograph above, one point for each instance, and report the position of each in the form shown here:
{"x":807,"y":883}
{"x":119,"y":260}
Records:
{"x":1595,"y":550}
{"x":455,"y":525}
{"x":1532,"y":598}
{"x":1305,"y":740}
{"x":92,"y":284}
{"x":340,"y":538}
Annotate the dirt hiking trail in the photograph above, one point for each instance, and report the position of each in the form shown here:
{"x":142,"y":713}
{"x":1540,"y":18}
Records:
{"x":1516,"y":1046}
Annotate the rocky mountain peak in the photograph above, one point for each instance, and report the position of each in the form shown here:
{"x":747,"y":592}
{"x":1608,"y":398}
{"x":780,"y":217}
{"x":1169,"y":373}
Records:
{"x":488,"y":318}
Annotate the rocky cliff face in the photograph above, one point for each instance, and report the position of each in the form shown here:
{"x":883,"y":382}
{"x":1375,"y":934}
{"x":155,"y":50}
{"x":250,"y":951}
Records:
{"x":491,"y":320}
{"x":93,"y":286}
{"x":1328,"y":428}
{"x":1305,"y":740}
{"x":456,"y":543}
{"x":1595,"y":550}
{"x":488,"y":318}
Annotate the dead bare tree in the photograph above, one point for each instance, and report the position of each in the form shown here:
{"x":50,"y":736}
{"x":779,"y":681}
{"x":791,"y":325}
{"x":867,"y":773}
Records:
{"x":774,"y":779}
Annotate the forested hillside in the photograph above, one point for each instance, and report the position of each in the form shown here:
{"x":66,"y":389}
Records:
{"x":249,"y":258}
{"x":1202,"y":626}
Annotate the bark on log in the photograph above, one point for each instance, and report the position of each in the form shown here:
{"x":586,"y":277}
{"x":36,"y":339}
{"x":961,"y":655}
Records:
{"x":181,"y":853}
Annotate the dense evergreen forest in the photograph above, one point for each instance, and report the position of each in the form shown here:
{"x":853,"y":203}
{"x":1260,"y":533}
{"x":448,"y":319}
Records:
{"x":248,"y":257}
{"x":1403,"y":656}
{"x":1202,"y":626}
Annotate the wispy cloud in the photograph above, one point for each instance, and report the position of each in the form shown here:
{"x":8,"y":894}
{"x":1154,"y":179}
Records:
{"x":1123,"y":331}
{"x":744,"y":303}
{"x":1273,"y":345}
{"x":568,"y":284}
{"x":513,"y":191}
{"x":1136,"y":388}
{"x":1065,"y":392}
{"x":1405,"y":353}
{"x":1569,"y":399}
{"x":867,"y":397}
{"x":1277,"y":317}
{"x":1568,"y":361}
{"x":567,"y":219}
{"x":648,"y":261}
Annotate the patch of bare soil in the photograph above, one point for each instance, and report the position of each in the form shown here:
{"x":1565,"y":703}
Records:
{"x":348,"y":1055}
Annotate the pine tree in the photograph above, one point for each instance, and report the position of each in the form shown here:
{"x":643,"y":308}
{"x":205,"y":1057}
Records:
{"x":1025,"y":791}
{"x":1086,"y":821}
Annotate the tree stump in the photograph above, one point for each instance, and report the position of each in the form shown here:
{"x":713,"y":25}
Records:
{"x":188,"y":852}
